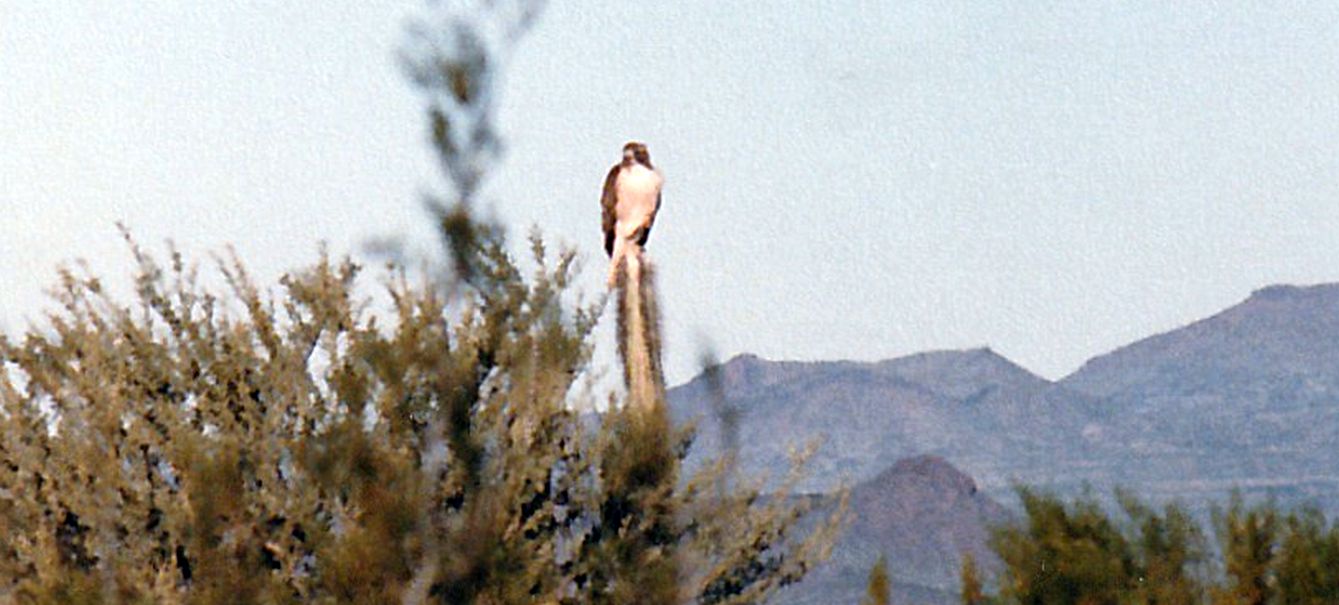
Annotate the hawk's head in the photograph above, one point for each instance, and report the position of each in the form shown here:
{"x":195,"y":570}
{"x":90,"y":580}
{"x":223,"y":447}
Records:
{"x":635,"y":151}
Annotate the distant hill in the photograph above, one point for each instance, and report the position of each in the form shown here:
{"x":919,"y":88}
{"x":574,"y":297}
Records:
{"x":1279,"y":333}
{"x":979,"y":410}
{"x":923,"y":514}
{"x":1246,"y":399}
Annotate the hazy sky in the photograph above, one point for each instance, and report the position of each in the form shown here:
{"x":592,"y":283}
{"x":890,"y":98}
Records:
{"x":844,"y":179}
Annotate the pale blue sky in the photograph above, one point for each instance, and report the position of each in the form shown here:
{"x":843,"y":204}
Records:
{"x":844,"y":179}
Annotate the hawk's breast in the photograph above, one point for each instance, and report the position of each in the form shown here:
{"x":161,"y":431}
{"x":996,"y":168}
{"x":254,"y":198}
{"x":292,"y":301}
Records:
{"x":638,"y":189}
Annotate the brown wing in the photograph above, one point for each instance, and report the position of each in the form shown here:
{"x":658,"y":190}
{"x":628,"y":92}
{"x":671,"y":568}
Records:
{"x":608,"y":200}
{"x":646,"y":231}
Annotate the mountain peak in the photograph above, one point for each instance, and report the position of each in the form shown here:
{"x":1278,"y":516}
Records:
{"x":929,"y":470}
{"x":747,"y":373}
{"x":740,"y":366}
{"x":936,"y":469}
{"x":1280,"y":330}
{"x":979,"y":356}
{"x":1290,"y":292}
{"x":744,"y":359}
{"x":922,"y":514}
{"x":960,"y":373}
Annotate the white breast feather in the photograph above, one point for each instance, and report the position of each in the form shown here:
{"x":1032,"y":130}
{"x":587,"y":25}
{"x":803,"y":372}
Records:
{"x":638,"y":188}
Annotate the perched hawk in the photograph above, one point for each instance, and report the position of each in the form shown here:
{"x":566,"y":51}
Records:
{"x":630,"y":201}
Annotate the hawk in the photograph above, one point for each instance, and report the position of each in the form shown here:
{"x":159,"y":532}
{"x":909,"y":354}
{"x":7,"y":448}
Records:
{"x":630,"y":201}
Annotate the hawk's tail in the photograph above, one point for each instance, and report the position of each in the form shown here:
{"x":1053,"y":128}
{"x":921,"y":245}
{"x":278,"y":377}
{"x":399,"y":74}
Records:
{"x":639,"y":343}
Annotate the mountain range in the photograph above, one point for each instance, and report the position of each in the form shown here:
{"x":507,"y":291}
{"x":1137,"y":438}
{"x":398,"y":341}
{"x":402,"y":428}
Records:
{"x":1247,"y":399}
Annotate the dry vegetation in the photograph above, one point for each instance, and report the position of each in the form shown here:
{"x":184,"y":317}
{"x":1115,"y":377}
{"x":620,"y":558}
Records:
{"x":223,"y":446}
{"x":1075,"y":552}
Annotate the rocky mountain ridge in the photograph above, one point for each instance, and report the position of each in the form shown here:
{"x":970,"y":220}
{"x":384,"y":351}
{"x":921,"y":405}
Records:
{"x":1246,"y":399}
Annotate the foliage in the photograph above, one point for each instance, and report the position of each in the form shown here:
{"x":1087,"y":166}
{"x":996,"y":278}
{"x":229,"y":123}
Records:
{"x":1076,"y":553}
{"x":1169,"y":552}
{"x":205,"y":445}
{"x":1248,"y":538}
{"x":879,"y":589}
{"x":972,"y":592}
{"x":1064,"y":553}
{"x":1273,"y":557}
{"x":1307,"y":564}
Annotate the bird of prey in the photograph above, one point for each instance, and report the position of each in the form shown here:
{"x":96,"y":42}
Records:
{"x":630,"y":201}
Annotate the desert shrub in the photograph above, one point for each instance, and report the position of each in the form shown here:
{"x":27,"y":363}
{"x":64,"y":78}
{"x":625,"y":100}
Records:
{"x":201,"y":444}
